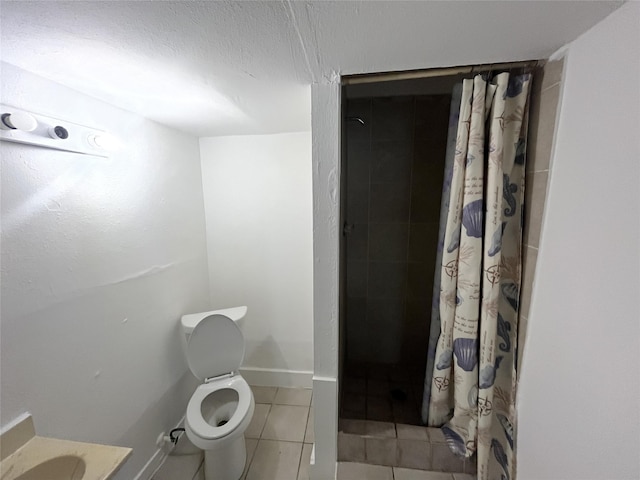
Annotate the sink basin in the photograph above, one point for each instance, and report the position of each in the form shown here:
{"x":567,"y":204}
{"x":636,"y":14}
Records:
{"x":26,"y":456}
{"x":67,"y":467}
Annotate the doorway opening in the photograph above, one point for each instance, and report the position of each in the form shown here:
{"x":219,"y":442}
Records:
{"x":394,"y":145}
{"x":395,"y":151}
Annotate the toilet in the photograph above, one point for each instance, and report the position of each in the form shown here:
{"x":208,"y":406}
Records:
{"x":220,"y":409}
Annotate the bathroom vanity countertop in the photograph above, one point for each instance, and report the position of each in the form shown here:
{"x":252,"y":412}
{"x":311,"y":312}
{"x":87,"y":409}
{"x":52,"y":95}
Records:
{"x":76,"y":460}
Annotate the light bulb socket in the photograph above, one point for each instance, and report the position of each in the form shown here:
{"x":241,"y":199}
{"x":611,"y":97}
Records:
{"x":19,"y":121}
{"x":94,"y":140}
{"x":6,"y":122}
{"x":58,"y":132}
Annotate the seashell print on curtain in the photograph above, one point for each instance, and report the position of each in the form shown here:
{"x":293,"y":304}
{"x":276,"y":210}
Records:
{"x":470,"y":380}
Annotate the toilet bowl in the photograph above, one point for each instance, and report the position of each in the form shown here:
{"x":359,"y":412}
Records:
{"x":220,"y":409}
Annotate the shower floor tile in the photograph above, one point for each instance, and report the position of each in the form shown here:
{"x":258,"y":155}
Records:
{"x":388,"y":393}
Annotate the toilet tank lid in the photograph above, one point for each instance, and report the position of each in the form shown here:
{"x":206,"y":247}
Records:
{"x":190,"y":321}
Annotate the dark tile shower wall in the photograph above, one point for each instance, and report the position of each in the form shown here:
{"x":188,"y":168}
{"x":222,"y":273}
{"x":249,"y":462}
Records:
{"x":429,"y":147}
{"x":395,"y":164}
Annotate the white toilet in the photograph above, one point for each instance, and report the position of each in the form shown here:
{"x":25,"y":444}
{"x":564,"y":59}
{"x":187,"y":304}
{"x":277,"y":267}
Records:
{"x":220,"y":409}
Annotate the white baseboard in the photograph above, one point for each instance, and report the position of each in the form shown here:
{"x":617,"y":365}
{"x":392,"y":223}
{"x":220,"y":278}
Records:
{"x":271,"y":377}
{"x":157,"y":459}
{"x":325,"y":449}
{"x":154,"y":463}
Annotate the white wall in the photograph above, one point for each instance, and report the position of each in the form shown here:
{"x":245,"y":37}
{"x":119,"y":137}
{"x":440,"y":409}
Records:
{"x":257,"y":191}
{"x":580,"y":389}
{"x":325,"y":123}
{"x":100,"y":258}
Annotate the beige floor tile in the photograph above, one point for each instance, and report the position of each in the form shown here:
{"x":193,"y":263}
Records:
{"x":400,"y":473}
{"x":264,"y":394}
{"x":293,"y":396}
{"x":412,"y":432}
{"x":286,"y":422}
{"x":200,"y":473}
{"x":275,"y":461}
{"x":357,"y":427}
{"x":381,"y":451}
{"x":179,"y":467}
{"x":380,"y":429}
{"x":436,"y":435}
{"x":254,"y":430}
{"x":351,"y":448}
{"x":414,"y":454}
{"x":309,"y":436}
{"x":250,"y":444}
{"x":444,"y":460}
{"x":464,"y":476}
{"x":362,"y":471}
{"x":305,"y":460}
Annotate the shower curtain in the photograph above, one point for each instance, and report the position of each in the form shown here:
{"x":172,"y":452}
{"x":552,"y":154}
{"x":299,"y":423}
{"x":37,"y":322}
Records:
{"x":470,"y":383}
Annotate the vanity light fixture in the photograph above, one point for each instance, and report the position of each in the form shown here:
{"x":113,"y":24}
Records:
{"x":20,"y":126}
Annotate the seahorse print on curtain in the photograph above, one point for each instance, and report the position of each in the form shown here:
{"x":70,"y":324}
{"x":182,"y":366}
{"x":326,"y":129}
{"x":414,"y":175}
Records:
{"x":473,"y":381}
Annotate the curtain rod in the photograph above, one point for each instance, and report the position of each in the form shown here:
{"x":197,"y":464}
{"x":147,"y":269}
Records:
{"x":435,"y":72}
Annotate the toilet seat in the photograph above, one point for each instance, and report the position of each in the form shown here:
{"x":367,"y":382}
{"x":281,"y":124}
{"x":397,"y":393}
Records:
{"x":200,"y":426}
{"x":215,"y":347}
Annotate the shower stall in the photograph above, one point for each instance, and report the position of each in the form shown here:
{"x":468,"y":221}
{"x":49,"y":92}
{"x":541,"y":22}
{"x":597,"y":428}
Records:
{"x":395,"y":136}
{"x":398,"y":143}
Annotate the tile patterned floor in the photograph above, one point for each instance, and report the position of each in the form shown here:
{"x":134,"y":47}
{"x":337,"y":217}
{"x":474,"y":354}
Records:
{"x":279,"y":440}
{"x":362,"y":471}
{"x":398,"y":445}
{"x":386,"y":393}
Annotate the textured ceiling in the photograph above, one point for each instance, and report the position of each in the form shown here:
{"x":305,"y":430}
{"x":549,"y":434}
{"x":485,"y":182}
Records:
{"x":237,"y":67}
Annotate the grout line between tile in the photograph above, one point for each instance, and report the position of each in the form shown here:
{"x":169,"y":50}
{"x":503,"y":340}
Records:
{"x":306,"y":424}
{"x":300,"y":460}
{"x":265,"y":420}
{"x":200,"y":467}
{"x":250,"y":461}
{"x":285,"y":441}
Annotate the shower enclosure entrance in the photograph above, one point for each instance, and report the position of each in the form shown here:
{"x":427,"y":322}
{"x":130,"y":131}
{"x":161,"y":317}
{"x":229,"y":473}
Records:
{"x":395,"y":147}
{"x":394,"y":143}
{"x":393,"y":151}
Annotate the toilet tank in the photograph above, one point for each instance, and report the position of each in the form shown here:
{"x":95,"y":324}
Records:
{"x":190,"y":321}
